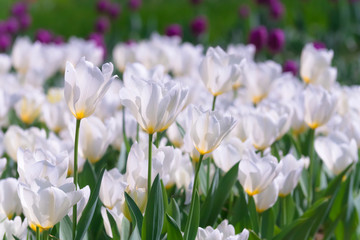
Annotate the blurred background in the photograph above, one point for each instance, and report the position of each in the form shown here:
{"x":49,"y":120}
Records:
{"x":278,"y":28}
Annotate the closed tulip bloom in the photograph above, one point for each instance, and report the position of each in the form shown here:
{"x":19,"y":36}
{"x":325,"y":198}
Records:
{"x":95,"y":138}
{"x":319,"y":106}
{"x":9,"y":200}
{"x":45,"y":205}
{"x":315,"y":66}
{"x":267,"y":198}
{"x":336,"y":151}
{"x":262,"y":128}
{"x":208,"y":129}
{"x":154,"y":102}
{"x":257,"y":173}
{"x":85,"y":85}
{"x":290,"y":173}
{"x":14,"y":228}
{"x":259,"y":78}
{"x":112,"y":188}
{"x":219,"y":70}
{"x":16,"y":137}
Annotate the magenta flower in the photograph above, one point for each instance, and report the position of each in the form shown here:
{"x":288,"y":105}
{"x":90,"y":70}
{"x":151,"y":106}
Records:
{"x":114,"y":10}
{"x":25,"y":21}
{"x":319,"y":45}
{"x":43,"y":36}
{"x":244,"y":11}
{"x":199,"y":25}
{"x":174,"y":30}
{"x":258,"y":37}
{"x":290,"y":66}
{"x":276,"y":9}
{"x":5,"y":41}
{"x":19,"y":9}
{"x":103,"y":5}
{"x":12,"y":25}
{"x":276,"y":40}
{"x":102,"y":25}
{"x":135,"y":4}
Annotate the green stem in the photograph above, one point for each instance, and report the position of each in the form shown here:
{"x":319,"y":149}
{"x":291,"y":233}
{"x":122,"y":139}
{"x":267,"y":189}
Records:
{"x":157,"y":140}
{"x":312,"y":164}
{"x":196,"y":179}
{"x":213,"y":103}
{"x":260,"y":224}
{"x":126,"y":141}
{"x":76,"y":172}
{"x":37,"y":233}
{"x":137,"y":132}
{"x":208,"y":175}
{"x":149,"y":162}
{"x":46,"y":235}
{"x":283,"y":212}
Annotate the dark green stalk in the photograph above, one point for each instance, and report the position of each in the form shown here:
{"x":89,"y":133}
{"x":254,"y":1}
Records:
{"x":213,"y":103}
{"x":149,"y":162}
{"x":76,"y":172}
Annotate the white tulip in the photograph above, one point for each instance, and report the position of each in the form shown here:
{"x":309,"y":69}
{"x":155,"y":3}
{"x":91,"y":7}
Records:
{"x":256,"y":173}
{"x":315,"y":66}
{"x":28,"y":108}
{"x":85,"y":85}
{"x":267,"y":198}
{"x":336,"y":151}
{"x":9,"y":200}
{"x":154,"y":103}
{"x":219,"y":71}
{"x":43,"y":164}
{"x":15,"y":227}
{"x":45,"y":205}
{"x":208,"y":129}
{"x":112,"y":188}
{"x":319,"y":106}
{"x":290,"y":173}
{"x":259,"y":78}
{"x":224,"y":231}
{"x":95,"y":137}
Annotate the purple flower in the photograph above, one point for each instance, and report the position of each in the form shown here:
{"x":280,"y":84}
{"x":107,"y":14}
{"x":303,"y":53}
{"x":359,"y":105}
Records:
{"x":103,"y":5}
{"x":98,"y":39}
{"x":319,"y":45}
{"x":198,"y":25}
{"x":276,"y":9}
{"x":58,"y":40}
{"x":195,"y":2}
{"x":114,"y":10}
{"x":244,"y":11}
{"x":276,"y":40}
{"x":43,"y":36}
{"x":263,"y":2}
{"x":258,"y":37}
{"x":102,"y":25}
{"x":25,"y":21}
{"x":19,"y":9}
{"x":173,"y":30}
{"x":134,"y":4}
{"x":290,"y":66}
{"x":12,"y":25}
{"x":5,"y":41}
{"x":2,"y":27}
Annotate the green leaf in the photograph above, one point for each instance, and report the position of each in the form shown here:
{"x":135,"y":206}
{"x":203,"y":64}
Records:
{"x":114,"y":229}
{"x":253,"y":235}
{"x":65,"y":228}
{"x":174,"y":211}
{"x":173,"y":230}
{"x":87,"y":176}
{"x":220,"y":194}
{"x":238,"y":216}
{"x":193,"y":220}
{"x":307,"y":225}
{"x":181,"y":129}
{"x":135,"y":212}
{"x":267,"y":223}
{"x":89,"y":210}
{"x":209,"y":201}
{"x":154,"y":213}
